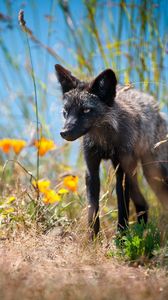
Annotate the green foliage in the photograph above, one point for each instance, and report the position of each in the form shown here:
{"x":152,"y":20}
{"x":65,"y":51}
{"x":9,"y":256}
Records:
{"x":139,"y":241}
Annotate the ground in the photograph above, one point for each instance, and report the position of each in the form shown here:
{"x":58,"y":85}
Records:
{"x":64,"y":266}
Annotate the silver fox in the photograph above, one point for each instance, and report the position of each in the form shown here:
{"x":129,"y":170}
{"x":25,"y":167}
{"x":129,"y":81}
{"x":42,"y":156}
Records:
{"x":120,"y":124}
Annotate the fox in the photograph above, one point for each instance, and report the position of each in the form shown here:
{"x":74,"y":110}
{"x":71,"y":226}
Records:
{"x":120,"y":124}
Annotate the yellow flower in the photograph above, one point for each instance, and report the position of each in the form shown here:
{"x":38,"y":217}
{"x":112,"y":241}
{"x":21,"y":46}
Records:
{"x":8,"y":210}
{"x":8,"y":144}
{"x":44,"y":145}
{"x":51,"y":197}
{"x":42,"y":185}
{"x":11,"y":199}
{"x":63,"y":191}
{"x":71,"y":183}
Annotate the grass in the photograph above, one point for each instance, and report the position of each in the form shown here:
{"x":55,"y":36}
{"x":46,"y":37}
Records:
{"x":140,"y":241}
{"x":50,"y":257}
{"x":59,"y":265}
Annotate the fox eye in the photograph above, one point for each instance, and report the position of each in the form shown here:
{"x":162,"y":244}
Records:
{"x":65,"y":114}
{"x":86,"y":110}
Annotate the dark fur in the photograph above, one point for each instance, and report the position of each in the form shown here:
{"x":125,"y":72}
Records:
{"x":122,"y":125}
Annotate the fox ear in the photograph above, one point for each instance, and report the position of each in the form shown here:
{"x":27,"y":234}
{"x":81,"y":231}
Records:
{"x":66,"y":79}
{"x":104,"y":86}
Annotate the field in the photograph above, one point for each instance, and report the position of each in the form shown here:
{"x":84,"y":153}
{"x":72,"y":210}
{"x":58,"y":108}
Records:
{"x":62,"y":266}
{"x":45,"y":250}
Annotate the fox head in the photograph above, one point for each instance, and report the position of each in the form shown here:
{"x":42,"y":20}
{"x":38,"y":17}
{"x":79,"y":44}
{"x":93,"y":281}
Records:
{"x":85,"y":104}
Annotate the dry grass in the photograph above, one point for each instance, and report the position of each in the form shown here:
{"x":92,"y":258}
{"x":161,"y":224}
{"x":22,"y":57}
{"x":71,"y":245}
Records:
{"x":64,"y":266}
{"x":61,"y":264}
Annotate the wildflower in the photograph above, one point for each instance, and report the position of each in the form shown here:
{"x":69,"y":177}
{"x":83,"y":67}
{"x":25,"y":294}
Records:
{"x":6,"y":145}
{"x":42,"y":185}
{"x":51,"y":197}
{"x":11,"y":199}
{"x":18,"y":145}
{"x":44,"y":145}
{"x":71,"y":183}
{"x":8,"y":211}
{"x":63,"y":191}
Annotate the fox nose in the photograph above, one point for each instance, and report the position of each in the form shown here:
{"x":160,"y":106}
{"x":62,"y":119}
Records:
{"x":64,"y":133}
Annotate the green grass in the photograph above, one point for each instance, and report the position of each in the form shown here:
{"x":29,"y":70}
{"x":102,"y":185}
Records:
{"x":139,"y":241}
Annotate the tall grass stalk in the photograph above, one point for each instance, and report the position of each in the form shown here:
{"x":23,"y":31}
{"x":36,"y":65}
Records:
{"x":23,"y":26}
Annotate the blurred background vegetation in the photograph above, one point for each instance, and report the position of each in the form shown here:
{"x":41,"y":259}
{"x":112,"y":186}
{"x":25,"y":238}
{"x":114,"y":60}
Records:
{"x":85,"y":36}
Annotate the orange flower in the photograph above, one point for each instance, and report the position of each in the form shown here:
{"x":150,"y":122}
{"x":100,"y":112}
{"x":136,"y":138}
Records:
{"x":18,"y":145}
{"x":44,"y":145}
{"x":51,"y":197}
{"x":8,"y":144}
{"x":71,"y":183}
